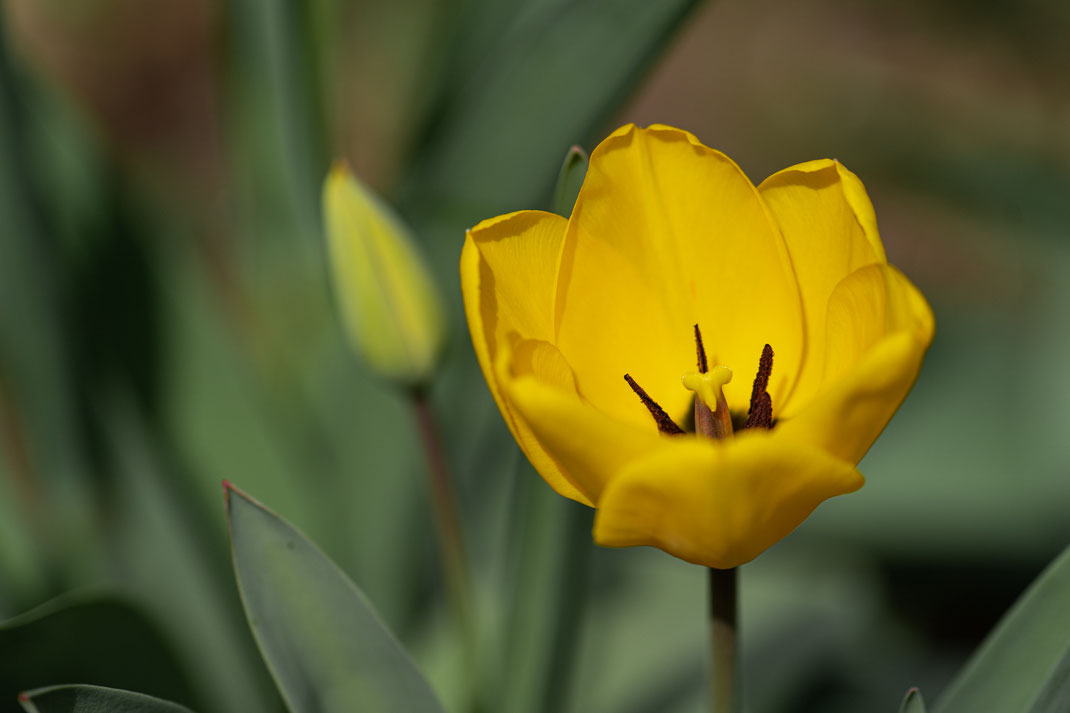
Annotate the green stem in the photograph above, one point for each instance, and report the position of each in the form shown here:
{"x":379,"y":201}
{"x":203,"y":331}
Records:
{"x":571,"y":600}
{"x":450,"y":539}
{"x":724,"y":674}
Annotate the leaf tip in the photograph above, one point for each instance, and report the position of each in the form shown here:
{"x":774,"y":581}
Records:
{"x":912,"y":701}
{"x":229,"y":489}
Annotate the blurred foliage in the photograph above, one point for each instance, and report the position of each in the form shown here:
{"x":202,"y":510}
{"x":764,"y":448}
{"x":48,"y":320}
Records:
{"x":89,"y":638}
{"x":1025,"y":663}
{"x":93,"y":699}
{"x":913,"y":702}
{"x":165,"y":323}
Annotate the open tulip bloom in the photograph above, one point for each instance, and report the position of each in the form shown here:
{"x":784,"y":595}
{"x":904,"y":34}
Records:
{"x":680,"y":302}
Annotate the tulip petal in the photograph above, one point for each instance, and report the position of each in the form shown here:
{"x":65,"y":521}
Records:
{"x":590,"y":447}
{"x":719,"y":504}
{"x":667,"y":233}
{"x":508,"y":269}
{"x":830,"y":229}
{"x":520,"y":252}
{"x":879,"y":326}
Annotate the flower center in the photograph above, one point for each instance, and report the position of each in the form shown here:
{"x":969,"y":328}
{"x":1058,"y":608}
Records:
{"x":713,"y":418}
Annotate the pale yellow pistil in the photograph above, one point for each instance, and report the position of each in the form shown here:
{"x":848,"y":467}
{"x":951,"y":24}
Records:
{"x":712,"y":417}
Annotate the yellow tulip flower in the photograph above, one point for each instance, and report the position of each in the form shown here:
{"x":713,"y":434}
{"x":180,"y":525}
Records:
{"x":390,"y":304}
{"x":670,"y":244}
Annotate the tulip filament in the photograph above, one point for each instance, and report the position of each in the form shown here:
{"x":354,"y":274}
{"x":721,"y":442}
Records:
{"x":703,"y":366}
{"x":665,"y":423}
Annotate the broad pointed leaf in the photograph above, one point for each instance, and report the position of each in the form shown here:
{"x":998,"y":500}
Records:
{"x":1026,"y":654}
{"x":1055,"y":696}
{"x":325,"y":645}
{"x":91,"y":638}
{"x":912,"y":702}
{"x":93,"y":699}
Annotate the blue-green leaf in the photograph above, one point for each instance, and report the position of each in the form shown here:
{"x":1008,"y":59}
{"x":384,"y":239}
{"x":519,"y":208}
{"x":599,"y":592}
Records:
{"x":912,"y":702}
{"x":325,"y":645}
{"x":87,"y":637}
{"x":93,"y":699}
{"x":569,"y":181}
{"x":550,"y":547}
{"x":549,"y":79}
{"x":1024,"y":660}
{"x":1055,"y":696}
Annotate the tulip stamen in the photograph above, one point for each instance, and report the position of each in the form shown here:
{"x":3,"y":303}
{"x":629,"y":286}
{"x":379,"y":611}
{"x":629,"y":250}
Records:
{"x":665,"y":423}
{"x":761,"y":403}
{"x":703,"y":366}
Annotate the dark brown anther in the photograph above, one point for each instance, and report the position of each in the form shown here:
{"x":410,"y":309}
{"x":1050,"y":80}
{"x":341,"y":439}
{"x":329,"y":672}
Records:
{"x":761,"y":403}
{"x":703,"y":367}
{"x":665,"y":423}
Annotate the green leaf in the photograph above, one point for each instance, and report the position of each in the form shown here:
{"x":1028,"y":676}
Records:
{"x":1055,"y":696}
{"x":550,"y":548}
{"x":912,"y":702}
{"x":550,"y":79}
{"x":323,"y":642}
{"x":90,"y":638}
{"x":569,"y":181}
{"x":1023,"y":662}
{"x":45,"y":448}
{"x":93,"y":699}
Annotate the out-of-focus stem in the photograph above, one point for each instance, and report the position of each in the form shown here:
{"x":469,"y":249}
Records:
{"x":723,"y":646}
{"x":571,"y":600}
{"x":450,"y":539}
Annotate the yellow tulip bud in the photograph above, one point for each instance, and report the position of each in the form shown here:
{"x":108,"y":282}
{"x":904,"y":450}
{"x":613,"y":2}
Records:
{"x":389,"y":302}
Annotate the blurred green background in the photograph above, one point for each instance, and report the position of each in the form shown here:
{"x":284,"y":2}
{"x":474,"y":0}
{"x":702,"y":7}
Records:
{"x":166,"y":322}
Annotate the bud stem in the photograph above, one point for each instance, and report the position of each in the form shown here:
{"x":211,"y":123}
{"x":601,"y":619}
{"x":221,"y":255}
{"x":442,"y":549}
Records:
{"x":450,"y":539}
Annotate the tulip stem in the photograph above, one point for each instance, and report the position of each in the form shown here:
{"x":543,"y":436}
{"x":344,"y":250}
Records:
{"x":450,"y":539}
{"x":724,"y":673}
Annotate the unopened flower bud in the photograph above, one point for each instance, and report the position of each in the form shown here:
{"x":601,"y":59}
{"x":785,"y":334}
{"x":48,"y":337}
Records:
{"x":389,"y":302}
